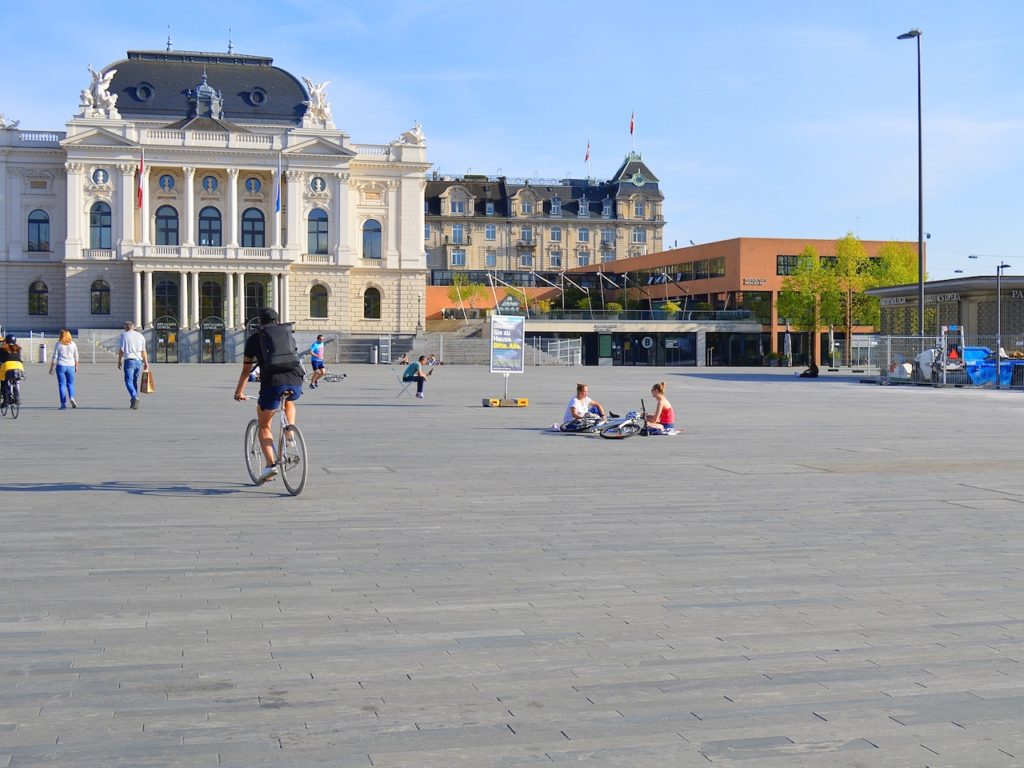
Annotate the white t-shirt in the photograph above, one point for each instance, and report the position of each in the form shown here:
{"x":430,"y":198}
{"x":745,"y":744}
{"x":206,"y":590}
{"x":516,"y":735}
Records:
{"x":65,"y":354}
{"x":581,"y":406}
{"x":132,"y":344}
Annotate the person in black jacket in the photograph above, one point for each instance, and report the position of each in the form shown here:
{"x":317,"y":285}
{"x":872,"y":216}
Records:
{"x":278,"y":376}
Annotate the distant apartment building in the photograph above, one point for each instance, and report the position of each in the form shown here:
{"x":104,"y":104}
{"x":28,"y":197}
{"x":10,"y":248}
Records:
{"x":512,"y":227}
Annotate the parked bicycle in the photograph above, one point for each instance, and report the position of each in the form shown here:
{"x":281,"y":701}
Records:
{"x":289,"y":449}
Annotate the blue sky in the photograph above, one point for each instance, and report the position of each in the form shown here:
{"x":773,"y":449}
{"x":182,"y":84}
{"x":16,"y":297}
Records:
{"x":761,"y":119}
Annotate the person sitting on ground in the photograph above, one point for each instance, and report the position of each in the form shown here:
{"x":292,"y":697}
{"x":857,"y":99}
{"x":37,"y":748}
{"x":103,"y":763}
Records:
{"x":582,"y":404}
{"x":404,"y":359}
{"x":431,"y":360}
{"x":11,"y":367}
{"x":414,"y":372}
{"x":664,"y":418}
{"x":811,"y":372}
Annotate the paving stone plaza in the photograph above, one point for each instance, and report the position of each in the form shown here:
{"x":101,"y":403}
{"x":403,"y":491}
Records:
{"x":817,"y":573}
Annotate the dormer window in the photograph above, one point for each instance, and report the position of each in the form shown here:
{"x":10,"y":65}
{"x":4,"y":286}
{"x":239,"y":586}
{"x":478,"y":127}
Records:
{"x":556,"y":206}
{"x":639,"y":209}
{"x":584,"y":206}
{"x":527,"y":206}
{"x":489,"y":208}
{"x":458,"y":206}
{"x":606,"y":208}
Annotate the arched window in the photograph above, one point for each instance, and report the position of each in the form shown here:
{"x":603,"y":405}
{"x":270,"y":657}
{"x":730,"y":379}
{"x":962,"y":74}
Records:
{"x":371,"y":304}
{"x":211,"y":300}
{"x":254,"y":229}
{"x":318,"y":301}
{"x":371,"y":239}
{"x":165,"y":295}
{"x":166,"y":225}
{"x":210,"y":227}
{"x":317,"y":229}
{"x":99,"y":226}
{"x":38,"y":298}
{"x":99,"y":298}
{"x":39,"y":231}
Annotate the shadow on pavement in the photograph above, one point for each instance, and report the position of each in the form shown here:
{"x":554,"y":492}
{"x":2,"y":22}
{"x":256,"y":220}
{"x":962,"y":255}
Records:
{"x":139,"y":489}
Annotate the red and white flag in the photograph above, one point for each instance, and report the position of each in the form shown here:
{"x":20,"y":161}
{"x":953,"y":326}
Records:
{"x":142,"y":167}
{"x":586,"y":158}
{"x":632,"y":122}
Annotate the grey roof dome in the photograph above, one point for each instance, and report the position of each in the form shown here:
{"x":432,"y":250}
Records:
{"x":158,"y":85}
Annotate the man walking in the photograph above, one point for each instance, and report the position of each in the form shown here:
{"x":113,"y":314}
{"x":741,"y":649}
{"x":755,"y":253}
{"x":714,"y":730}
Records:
{"x":131,"y":354}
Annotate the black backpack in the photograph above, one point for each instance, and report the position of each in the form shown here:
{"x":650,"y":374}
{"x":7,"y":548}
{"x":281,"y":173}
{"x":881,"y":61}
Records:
{"x":280,"y":355}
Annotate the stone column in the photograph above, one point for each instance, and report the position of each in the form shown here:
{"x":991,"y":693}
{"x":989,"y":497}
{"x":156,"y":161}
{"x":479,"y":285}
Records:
{"x":391,"y":223}
{"x":294,"y":200}
{"x":137,"y":288}
{"x":190,"y":206}
{"x":17,"y":223}
{"x":144,"y":234}
{"x":73,"y":244}
{"x":183,"y":299}
{"x":229,"y":294}
{"x":147,"y":318}
{"x":277,"y":213}
{"x":340,"y":230}
{"x":194,"y":322}
{"x":126,"y":199}
{"x":232,"y":208}
{"x":275,"y":289}
{"x":284,"y":297}
{"x":240,"y":317}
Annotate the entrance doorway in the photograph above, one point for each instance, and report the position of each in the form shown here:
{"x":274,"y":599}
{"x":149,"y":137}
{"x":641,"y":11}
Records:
{"x":212,"y":340}
{"x":165,"y":339}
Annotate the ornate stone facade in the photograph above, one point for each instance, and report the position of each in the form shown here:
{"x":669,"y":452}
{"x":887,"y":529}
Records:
{"x":193,"y":186}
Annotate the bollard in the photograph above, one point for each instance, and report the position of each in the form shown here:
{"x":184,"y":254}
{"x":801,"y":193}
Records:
{"x":42,"y":353}
{"x":373,"y":355}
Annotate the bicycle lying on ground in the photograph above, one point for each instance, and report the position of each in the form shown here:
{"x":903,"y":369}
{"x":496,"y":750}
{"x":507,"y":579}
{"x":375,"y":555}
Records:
{"x":330,"y":377}
{"x":289,"y":449}
{"x":634,"y":423}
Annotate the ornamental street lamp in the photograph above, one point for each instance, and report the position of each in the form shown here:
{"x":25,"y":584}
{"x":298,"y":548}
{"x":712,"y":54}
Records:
{"x":916,"y":34}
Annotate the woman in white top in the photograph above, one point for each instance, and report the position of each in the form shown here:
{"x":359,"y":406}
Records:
{"x":65,"y":362}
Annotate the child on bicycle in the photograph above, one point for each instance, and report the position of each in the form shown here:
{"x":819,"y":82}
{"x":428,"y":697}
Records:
{"x":273,"y":349}
{"x":12,"y":369}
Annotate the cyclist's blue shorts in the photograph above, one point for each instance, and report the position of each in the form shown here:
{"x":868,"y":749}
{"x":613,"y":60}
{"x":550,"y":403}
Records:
{"x":317,"y":364}
{"x":271,"y":396}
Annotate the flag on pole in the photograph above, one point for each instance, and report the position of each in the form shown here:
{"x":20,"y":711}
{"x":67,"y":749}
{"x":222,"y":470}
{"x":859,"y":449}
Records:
{"x":632,"y":122}
{"x":142,"y":167}
{"x":586,"y":159}
{"x":277,"y":187}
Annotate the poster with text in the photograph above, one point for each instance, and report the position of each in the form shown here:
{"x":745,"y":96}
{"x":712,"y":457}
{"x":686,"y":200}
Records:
{"x":508,"y":335}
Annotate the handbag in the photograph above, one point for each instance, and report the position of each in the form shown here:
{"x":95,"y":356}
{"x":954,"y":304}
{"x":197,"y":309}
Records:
{"x":147,"y":385}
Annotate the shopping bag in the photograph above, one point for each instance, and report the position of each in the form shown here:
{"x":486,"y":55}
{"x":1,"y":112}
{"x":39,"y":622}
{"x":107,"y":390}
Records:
{"x":148,"y":385}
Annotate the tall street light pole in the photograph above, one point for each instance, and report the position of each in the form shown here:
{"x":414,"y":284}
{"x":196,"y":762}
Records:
{"x":999,"y":321}
{"x":916,"y":34}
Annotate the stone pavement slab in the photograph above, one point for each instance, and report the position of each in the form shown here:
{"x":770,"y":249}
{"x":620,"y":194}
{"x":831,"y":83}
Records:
{"x":816,"y":573}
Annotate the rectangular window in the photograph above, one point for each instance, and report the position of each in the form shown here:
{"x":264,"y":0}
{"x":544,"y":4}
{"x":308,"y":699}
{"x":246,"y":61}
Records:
{"x":555,"y":259}
{"x":584,"y":235}
{"x":607,"y":255}
{"x":489,"y":208}
{"x":584,"y":207}
{"x":685,"y":272}
{"x":526,"y":259}
{"x":607,"y":236}
{"x":556,"y":207}
{"x":527,"y":207}
{"x":458,"y":206}
{"x":700,"y":269}
{"x":458,"y":258}
{"x":606,"y":209}
{"x":491,"y":259}
{"x":490,"y":232}
{"x":639,"y":235}
{"x":457,"y":233}
{"x":583,"y":259}
{"x":526,"y":234}
{"x":555,"y":234}
{"x":786,"y":265}
{"x":716,"y":267}
{"x":638,"y":209}
{"x":426,"y":231}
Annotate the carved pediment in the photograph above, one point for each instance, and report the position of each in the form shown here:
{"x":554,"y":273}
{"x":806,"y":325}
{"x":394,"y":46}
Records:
{"x":98,"y":137}
{"x":318,"y":147}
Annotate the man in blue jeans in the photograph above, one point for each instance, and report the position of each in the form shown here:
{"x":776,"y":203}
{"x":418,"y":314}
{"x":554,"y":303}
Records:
{"x":131,"y":353}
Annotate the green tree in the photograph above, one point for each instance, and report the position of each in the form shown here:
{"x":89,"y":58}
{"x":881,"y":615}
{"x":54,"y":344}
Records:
{"x":809,"y":295}
{"x":463,"y":292}
{"x":854,"y":272}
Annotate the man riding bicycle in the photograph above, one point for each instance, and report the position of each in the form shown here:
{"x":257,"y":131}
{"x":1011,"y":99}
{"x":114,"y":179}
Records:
{"x":273,"y":349}
{"x":11,"y":368}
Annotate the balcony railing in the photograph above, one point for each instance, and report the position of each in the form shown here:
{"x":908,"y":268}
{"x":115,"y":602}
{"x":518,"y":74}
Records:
{"x":647,"y":315}
{"x":97,"y":253}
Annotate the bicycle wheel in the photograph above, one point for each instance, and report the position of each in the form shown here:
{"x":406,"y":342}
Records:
{"x":15,"y":404}
{"x":621,"y":431}
{"x":253,"y":454}
{"x":293,"y":460}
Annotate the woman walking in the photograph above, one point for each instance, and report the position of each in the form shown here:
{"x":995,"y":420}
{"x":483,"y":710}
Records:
{"x":65,"y":362}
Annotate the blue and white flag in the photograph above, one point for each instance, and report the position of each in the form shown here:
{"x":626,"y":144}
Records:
{"x":277,"y":187}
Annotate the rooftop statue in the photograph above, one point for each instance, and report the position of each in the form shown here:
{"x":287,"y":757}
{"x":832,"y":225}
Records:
{"x":8,"y":125}
{"x":97,"y":101}
{"x":413,"y":136}
{"x":318,"y":109}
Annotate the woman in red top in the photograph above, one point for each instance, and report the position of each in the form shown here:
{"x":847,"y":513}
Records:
{"x":664,"y":418}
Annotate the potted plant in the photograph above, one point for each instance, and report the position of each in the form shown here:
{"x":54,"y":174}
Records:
{"x":613,"y":308}
{"x":670,"y":308}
